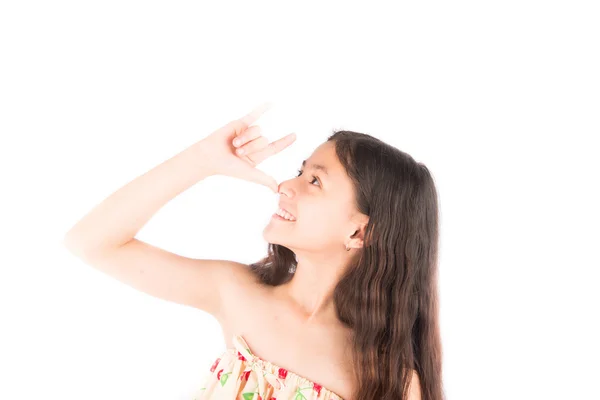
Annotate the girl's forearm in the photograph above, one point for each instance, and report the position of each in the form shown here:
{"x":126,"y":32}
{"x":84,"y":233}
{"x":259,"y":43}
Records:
{"x":119,"y":217}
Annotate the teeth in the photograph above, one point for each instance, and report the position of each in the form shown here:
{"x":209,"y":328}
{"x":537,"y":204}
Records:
{"x":286,"y":215}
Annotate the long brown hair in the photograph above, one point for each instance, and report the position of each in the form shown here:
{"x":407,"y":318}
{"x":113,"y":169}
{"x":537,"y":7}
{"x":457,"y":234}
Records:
{"x":389,"y":294}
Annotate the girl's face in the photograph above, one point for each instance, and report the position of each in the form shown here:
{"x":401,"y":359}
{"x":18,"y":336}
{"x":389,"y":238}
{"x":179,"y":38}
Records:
{"x":321,"y":198}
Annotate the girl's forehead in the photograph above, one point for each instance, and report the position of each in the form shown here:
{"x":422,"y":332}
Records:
{"x":324,"y":156}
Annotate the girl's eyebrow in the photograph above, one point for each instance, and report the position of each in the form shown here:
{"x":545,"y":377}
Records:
{"x":316,"y":166}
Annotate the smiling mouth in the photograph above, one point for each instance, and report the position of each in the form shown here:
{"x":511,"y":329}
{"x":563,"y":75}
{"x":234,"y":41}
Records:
{"x":278,"y":217}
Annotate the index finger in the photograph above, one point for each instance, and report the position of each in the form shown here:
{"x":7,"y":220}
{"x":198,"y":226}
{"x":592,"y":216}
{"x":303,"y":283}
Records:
{"x":273,"y":148}
{"x":253,"y":115}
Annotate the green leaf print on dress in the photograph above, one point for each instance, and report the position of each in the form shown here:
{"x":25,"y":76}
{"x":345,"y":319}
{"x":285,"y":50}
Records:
{"x":223,"y":377}
{"x":299,"y":395}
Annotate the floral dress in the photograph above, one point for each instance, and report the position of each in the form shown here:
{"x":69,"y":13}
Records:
{"x":239,"y":374}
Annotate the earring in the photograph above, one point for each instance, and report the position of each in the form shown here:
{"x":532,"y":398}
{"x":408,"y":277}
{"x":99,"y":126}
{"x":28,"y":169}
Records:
{"x":347,"y":248}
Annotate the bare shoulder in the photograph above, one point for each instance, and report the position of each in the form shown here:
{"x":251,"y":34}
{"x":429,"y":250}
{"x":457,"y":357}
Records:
{"x":240,"y":280}
{"x":414,"y":390}
{"x":240,"y":286}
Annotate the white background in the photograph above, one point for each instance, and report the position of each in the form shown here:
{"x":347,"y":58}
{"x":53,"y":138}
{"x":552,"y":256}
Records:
{"x":499,"y":99}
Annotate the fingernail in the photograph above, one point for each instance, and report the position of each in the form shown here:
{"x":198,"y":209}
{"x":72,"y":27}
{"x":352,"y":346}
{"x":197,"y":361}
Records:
{"x":240,"y":151}
{"x":236,"y":142}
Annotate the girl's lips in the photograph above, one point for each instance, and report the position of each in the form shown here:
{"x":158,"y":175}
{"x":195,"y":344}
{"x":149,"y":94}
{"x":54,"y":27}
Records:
{"x":286,"y":211}
{"x":276,"y":216}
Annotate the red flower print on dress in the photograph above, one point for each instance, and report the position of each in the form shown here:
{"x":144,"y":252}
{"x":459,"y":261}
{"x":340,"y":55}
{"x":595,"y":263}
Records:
{"x":240,"y":356}
{"x":282,"y":373}
{"x":214,"y":366}
{"x":317,"y":388}
{"x":245,"y":375}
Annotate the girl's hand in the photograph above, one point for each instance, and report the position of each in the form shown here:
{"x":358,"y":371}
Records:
{"x":224,"y":149}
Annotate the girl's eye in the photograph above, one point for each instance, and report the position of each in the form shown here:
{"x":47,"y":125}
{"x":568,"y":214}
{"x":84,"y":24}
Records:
{"x":314,"y":177}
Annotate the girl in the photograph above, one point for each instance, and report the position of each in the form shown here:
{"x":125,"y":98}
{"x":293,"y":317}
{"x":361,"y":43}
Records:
{"x":344,"y":305}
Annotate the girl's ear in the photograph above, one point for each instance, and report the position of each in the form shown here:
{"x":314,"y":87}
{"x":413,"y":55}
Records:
{"x":359,"y":234}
